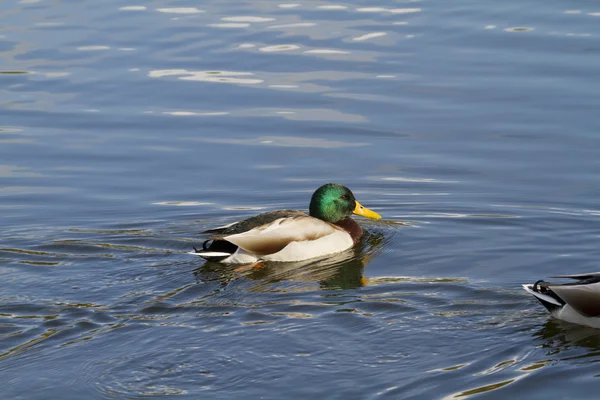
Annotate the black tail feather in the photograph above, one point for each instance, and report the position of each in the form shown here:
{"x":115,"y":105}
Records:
{"x":542,"y":287}
{"x":221,"y":246}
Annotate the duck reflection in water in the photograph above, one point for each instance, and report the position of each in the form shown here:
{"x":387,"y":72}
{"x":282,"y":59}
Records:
{"x":564,"y":338}
{"x":340,"y":271}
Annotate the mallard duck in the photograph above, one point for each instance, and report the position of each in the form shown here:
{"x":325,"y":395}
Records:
{"x":289,"y":235}
{"x":576,"y":302}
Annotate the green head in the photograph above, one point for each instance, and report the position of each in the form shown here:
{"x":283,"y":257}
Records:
{"x":333,"y":203}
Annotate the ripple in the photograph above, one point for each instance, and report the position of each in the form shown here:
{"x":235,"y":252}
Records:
{"x":247,"y":19}
{"x":372,"y":9}
{"x":10,"y":129}
{"x":93,"y":48}
{"x":52,"y":74}
{"x":195,"y":113}
{"x":369,"y":36}
{"x":230,"y":25}
{"x":14,"y":171}
{"x":40,"y":263}
{"x":405,"y":10}
{"x":480,"y":389}
{"x":326,"y":51}
{"x":29,"y":344}
{"x":332,"y":7}
{"x":182,"y":203}
{"x":294,"y":25}
{"x":49,"y":24}
{"x":404,"y":179}
{"x":451,"y":368}
{"x":30,"y":252}
{"x":32,"y":190}
{"x":289,"y":5}
{"x":519,"y":29}
{"x":288,"y":141}
{"x":207,"y":76}
{"x":133,"y":8}
{"x":309,"y":114}
{"x":388,"y":10}
{"x":279,"y":47}
{"x":283,"y":87}
{"x":180,"y":10}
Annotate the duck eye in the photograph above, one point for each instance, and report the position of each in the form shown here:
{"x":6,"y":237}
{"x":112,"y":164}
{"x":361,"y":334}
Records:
{"x":345,"y":197}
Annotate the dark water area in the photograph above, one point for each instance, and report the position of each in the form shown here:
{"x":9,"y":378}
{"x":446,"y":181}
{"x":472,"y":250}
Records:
{"x":128,"y":127}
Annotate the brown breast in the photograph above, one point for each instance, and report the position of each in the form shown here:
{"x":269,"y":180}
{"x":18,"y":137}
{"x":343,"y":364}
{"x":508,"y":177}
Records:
{"x":350,"y":226}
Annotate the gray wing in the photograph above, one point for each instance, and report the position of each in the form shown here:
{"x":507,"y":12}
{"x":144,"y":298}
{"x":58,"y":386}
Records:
{"x":584,"y":298}
{"x":589,"y":275}
{"x":273,"y":237}
{"x":252,"y":222}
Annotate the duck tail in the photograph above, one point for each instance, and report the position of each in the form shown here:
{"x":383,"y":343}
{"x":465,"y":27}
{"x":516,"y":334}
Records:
{"x":545,"y":295}
{"x":214,"y":250}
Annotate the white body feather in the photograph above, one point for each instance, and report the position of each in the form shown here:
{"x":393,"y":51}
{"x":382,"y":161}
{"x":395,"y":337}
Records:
{"x":286,"y":239}
{"x":335,"y":242}
{"x":568,"y":314}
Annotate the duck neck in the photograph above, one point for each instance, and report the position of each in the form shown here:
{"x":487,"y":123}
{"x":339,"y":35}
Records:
{"x":353,"y":228}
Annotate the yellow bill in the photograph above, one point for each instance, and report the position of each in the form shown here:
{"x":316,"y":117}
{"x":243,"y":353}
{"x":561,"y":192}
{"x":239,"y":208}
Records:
{"x":365,"y":212}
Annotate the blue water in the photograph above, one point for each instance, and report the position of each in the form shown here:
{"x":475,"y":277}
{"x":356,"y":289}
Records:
{"x":128,"y":127}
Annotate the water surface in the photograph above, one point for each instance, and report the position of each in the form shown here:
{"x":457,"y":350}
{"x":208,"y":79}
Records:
{"x":127,"y":127}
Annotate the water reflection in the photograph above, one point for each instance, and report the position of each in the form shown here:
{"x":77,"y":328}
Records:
{"x":562,"y":337}
{"x":388,"y":10}
{"x":341,"y":271}
{"x":369,"y":36}
{"x":93,"y":48}
{"x":247,"y":19}
{"x":285,"y":141}
{"x":326,"y":51}
{"x":279,"y":47}
{"x":560,"y":342}
{"x":293,"y":25}
{"x":133,"y":8}
{"x":519,"y":29}
{"x":207,"y":76}
{"x":226,"y":25}
{"x":180,"y":10}
{"x":14,"y":171}
{"x":332,"y":7}
{"x":307,"y":82}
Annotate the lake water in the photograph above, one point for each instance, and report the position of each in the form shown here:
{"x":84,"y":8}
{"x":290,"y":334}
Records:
{"x":127,"y":127}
